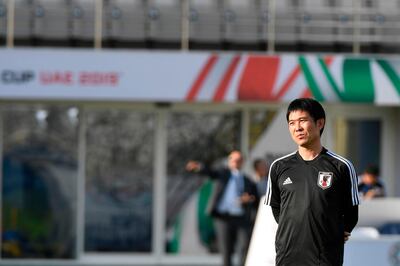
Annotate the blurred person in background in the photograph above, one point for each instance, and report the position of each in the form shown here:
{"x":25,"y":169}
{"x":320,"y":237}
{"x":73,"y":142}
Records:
{"x":260,"y":167}
{"x":232,"y":204}
{"x":370,"y":186}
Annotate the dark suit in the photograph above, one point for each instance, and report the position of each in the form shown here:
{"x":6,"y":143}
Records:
{"x":231,"y":229}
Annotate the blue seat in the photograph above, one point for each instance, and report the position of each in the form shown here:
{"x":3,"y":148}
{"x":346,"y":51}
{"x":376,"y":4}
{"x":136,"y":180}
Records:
{"x":392,"y":228}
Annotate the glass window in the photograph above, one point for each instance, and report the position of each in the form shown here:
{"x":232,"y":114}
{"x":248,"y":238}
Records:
{"x":119,"y":180}
{"x":206,"y":137}
{"x":363,"y":143}
{"x":39,"y":177}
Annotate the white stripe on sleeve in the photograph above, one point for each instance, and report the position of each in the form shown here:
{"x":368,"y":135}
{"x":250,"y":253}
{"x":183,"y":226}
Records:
{"x":268,"y":193}
{"x":353,"y":177}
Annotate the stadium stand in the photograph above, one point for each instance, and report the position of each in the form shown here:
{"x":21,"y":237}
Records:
{"x":165,"y":21}
{"x":205,"y":21}
{"x":51,"y":20}
{"x":287,"y":29}
{"x":344,"y":18}
{"x":23,"y":20}
{"x":387,"y":21}
{"x":317,"y":21}
{"x":242,"y":21}
{"x":300,"y":25}
{"x":82,"y":26}
{"x":126,"y":21}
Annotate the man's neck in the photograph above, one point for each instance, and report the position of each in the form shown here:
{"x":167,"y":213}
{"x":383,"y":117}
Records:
{"x":310,"y":153}
{"x":235,"y":170}
{"x":258,"y":177}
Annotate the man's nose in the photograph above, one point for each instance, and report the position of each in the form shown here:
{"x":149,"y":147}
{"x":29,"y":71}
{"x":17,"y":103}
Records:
{"x":298,"y":127}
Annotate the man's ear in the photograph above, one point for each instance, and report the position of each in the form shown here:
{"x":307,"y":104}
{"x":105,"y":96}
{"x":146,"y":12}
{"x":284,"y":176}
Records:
{"x":321,"y":123}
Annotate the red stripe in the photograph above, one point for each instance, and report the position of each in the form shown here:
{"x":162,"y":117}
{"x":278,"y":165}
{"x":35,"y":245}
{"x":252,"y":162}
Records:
{"x":285,"y":87}
{"x":223,"y":85}
{"x":306,"y":93}
{"x":328,"y":60}
{"x":194,"y":90}
{"x":258,"y":78}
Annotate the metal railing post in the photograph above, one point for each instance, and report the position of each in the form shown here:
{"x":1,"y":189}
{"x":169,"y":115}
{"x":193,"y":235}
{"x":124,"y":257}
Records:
{"x":10,"y":23}
{"x":271,"y":26}
{"x":356,"y":26}
{"x":98,"y":24}
{"x":185,"y":25}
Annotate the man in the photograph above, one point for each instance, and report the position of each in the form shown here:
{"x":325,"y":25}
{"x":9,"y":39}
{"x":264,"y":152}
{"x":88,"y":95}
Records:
{"x":370,"y":186}
{"x":232,"y":203}
{"x":312,"y":192}
{"x":261,"y":171}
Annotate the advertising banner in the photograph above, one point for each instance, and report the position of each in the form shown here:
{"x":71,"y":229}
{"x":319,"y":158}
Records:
{"x":152,"y":76}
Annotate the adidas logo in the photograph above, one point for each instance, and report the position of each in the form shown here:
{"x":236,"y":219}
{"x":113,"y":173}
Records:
{"x":287,"y":181}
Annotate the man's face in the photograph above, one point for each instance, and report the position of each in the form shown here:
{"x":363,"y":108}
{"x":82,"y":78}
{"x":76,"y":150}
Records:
{"x":235,"y":160}
{"x":368,"y":179}
{"x":303,"y":129}
{"x":261,"y":169}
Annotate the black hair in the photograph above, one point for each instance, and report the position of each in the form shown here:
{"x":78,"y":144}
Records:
{"x":372,"y":169}
{"x":256,"y":162}
{"x":313,"y":107}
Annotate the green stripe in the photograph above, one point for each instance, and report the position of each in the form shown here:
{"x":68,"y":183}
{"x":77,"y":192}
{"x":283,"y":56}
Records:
{"x":205,"y":222}
{"x":330,"y":78}
{"x":357,"y":80}
{"x":312,"y":84}
{"x":174,"y":244}
{"x":391,"y":73}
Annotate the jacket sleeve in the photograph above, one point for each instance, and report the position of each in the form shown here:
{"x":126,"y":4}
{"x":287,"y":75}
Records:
{"x":276,"y":211}
{"x":350,"y":218}
{"x":252,"y":190}
{"x":272,"y":196}
{"x":209,"y":172}
{"x":350,"y":182}
{"x":352,"y":199}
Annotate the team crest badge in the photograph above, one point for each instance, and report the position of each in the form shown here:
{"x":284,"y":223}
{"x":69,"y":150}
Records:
{"x":325,"y":179}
